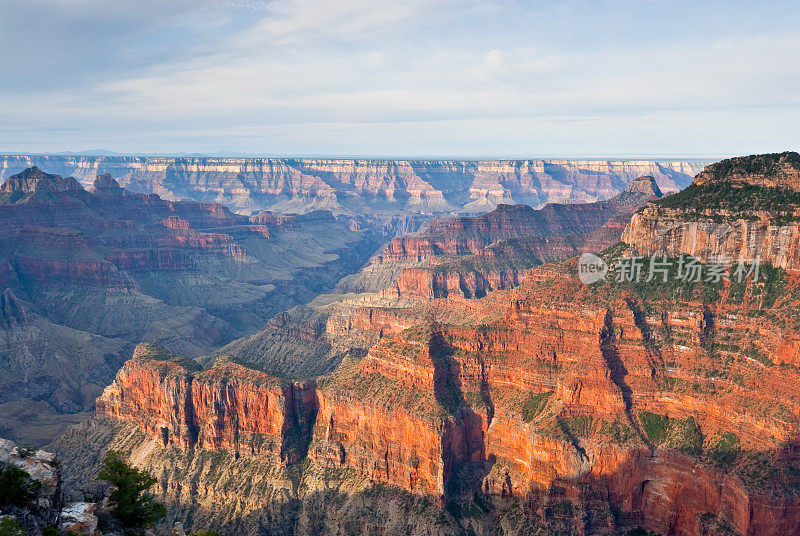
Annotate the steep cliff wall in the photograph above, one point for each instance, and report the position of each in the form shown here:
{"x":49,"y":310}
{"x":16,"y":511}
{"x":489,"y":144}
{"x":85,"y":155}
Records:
{"x":673,"y":232}
{"x":737,"y":210}
{"x":358,"y":186}
{"x":471,"y":256}
{"x":554,"y":406}
{"x":227,"y":407}
{"x":673,"y":413}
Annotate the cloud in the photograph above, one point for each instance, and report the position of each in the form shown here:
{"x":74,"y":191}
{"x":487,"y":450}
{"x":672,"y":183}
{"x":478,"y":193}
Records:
{"x":289,"y":21}
{"x":324,"y":77}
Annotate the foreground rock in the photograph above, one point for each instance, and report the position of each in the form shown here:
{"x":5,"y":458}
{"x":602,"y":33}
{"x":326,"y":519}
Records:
{"x":79,"y":518}
{"x":41,"y":467}
{"x":44,"y":508}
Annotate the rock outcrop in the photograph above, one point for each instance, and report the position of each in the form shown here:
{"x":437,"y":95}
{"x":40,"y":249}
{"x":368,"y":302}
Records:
{"x":469,"y":236}
{"x":105,"y":181}
{"x":80,"y":518}
{"x":47,"y":508}
{"x":776,"y":170}
{"x":41,"y":467}
{"x":34,"y":180}
{"x":227,"y":407}
{"x":653,"y":232}
{"x":737,"y":210}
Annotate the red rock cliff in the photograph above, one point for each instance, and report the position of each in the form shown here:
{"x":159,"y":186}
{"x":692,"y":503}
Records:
{"x":671,"y":407}
{"x":226,"y":407}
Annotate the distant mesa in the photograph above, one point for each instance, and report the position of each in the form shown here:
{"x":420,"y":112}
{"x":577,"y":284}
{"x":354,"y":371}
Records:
{"x":639,"y":191}
{"x":645,"y":185}
{"x":34,"y":180}
{"x":384,"y":189}
{"x":105,"y":181}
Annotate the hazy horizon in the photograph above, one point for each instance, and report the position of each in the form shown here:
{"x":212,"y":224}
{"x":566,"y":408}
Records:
{"x":102,"y":153}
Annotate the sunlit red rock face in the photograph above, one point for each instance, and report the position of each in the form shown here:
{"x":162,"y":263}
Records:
{"x":427,"y":284}
{"x":226,"y":407}
{"x":673,"y":407}
{"x":447,"y":410}
{"x":249,"y":185}
{"x":660,"y":362}
{"x":439,"y":412}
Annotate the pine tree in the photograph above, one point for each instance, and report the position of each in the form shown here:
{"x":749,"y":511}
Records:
{"x":132,"y":506}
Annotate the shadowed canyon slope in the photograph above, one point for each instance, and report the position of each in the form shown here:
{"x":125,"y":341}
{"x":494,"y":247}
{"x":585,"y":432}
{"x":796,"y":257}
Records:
{"x":87,"y":274}
{"x":383,"y":188}
{"x":554,"y":407}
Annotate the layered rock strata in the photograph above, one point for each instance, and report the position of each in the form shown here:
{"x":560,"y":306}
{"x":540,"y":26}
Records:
{"x":554,"y":406}
{"x":471,"y":256}
{"x":87,"y":274}
{"x":226,"y":407}
{"x":631,"y":404}
{"x":737,"y":210}
{"x":249,"y":185}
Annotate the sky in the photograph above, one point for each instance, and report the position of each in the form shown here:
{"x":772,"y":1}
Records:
{"x":466,"y":78}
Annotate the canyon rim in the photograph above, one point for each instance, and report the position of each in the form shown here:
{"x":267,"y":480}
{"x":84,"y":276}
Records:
{"x":424,"y":268}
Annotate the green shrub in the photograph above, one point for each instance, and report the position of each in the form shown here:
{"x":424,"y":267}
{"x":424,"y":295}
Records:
{"x":655,"y":426}
{"x":579,"y":425}
{"x":11,"y":527}
{"x":17,"y":488}
{"x":757,"y":470}
{"x":738,"y":198}
{"x":724,"y":450}
{"x":132,"y":506}
{"x":535,"y":405}
{"x":618,"y":432}
{"x":685,"y":435}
